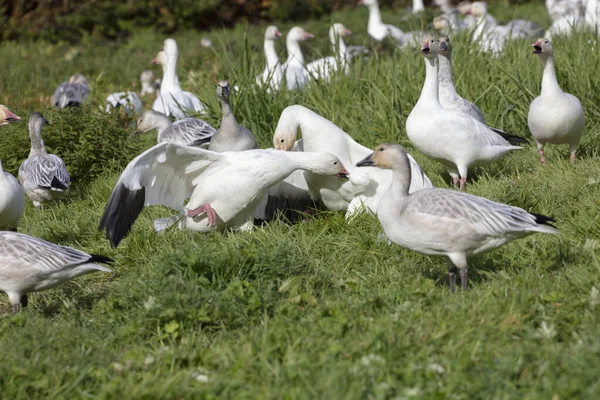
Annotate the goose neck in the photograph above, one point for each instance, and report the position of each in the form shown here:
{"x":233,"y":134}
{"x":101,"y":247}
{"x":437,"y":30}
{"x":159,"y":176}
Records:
{"x":271,"y":54}
{"x":294,"y":52}
{"x":374,"y":15}
{"x":400,"y":183}
{"x":170,"y":78}
{"x":162,"y":125}
{"x":429,"y":94}
{"x":307,"y":161}
{"x":445,"y":73}
{"x":37,"y":144}
{"x":549,"y":83}
{"x":338,"y":45}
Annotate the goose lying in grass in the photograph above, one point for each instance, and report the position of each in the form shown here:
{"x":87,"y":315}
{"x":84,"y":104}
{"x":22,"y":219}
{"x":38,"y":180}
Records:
{"x":43,"y":176}
{"x":149,"y":84}
{"x":128,"y":101}
{"x":171,"y":99}
{"x":455,"y":139}
{"x":295,"y":75}
{"x":231,"y":136}
{"x":554,"y":116}
{"x":29,"y":264}
{"x":12,"y":196}
{"x":223,"y":188}
{"x":445,"y":222}
{"x":71,"y":93}
{"x":379,"y":31}
{"x":324,"y":68}
{"x":364,"y":188}
{"x":273,"y":73}
{"x":451,"y":100}
{"x":187,"y":131}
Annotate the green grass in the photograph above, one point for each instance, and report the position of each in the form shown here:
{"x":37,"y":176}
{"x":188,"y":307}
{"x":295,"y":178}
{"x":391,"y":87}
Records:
{"x":321,"y":309}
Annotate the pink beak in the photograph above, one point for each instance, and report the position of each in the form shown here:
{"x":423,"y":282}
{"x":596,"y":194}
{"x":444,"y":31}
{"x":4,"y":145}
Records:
{"x":347,"y":32}
{"x":154,"y":61}
{"x":425,"y":47}
{"x":9,"y":116}
{"x":308,"y":36}
{"x":343,"y":173}
{"x":277,"y":34}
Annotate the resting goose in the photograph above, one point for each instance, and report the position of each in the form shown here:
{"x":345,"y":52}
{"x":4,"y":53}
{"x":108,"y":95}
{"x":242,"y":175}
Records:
{"x":554,"y":116}
{"x":12,"y":196}
{"x":187,"y":131}
{"x":29,"y":264}
{"x":364,"y":188}
{"x":231,"y":136}
{"x":324,"y":68}
{"x":273,"y":73}
{"x":558,"y":9}
{"x":442,"y":222}
{"x":128,"y":101}
{"x":223,"y":188}
{"x":295,"y":76}
{"x":379,"y":31}
{"x":71,"y":93}
{"x":149,"y":84}
{"x":43,"y":176}
{"x":455,"y":139}
{"x":171,"y":99}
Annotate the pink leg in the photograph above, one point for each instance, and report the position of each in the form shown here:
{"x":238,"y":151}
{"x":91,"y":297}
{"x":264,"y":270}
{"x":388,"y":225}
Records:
{"x":542,"y":158}
{"x":455,"y":181}
{"x":463,"y":184}
{"x":205,"y":208}
{"x":572,"y":157}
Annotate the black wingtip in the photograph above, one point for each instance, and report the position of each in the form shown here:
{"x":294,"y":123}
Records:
{"x":544,"y":220}
{"x":513,"y":139}
{"x":57,"y":184}
{"x":101,"y":259}
{"x":122,"y":209}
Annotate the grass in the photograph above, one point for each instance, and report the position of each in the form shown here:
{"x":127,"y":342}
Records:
{"x":321,"y":309}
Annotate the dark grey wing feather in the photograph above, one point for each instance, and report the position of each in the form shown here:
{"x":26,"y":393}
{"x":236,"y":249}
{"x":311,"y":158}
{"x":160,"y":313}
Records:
{"x":191,"y":131}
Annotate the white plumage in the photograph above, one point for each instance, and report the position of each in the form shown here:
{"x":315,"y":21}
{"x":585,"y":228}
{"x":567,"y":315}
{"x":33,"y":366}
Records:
{"x":273,"y":72}
{"x":128,"y":101}
{"x":325,"y":67}
{"x":295,"y":75}
{"x":12,"y":196}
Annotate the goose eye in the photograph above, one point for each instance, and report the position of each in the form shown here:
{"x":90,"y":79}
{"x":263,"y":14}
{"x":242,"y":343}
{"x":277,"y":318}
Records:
{"x":546,"y":41}
{"x":282,"y":140}
{"x":335,"y":163}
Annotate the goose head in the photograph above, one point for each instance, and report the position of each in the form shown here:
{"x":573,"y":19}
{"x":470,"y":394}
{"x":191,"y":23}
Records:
{"x":444,"y":46}
{"x":542,"y":47}
{"x":149,"y":120}
{"x":429,"y":48}
{"x":298,"y":34}
{"x":285,"y":136}
{"x":80,"y":79}
{"x":386,"y":156}
{"x":170,"y":48}
{"x":329,"y":165}
{"x":7,"y":117}
{"x":272,"y":33}
{"x":478,"y":9}
{"x":464,"y":7}
{"x":440,"y":23}
{"x":223,"y":90}
{"x":367,"y":2}
{"x":339,"y":30}
{"x":36,"y":122}
{"x":160,"y":58}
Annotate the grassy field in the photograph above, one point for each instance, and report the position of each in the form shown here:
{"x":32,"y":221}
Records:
{"x":321,"y":309}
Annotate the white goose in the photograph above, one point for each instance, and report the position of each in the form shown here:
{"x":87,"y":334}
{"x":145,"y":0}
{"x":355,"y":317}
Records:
{"x":442,"y":222}
{"x":128,"y":101}
{"x":149,"y":83}
{"x":223,"y":188}
{"x":187,"y":131}
{"x":29,"y":264}
{"x":561,"y":8}
{"x":171,"y":99}
{"x":273,"y":73}
{"x":364,"y":188}
{"x":12,"y":196}
{"x":554,"y":116}
{"x":455,"y":139}
{"x":43,"y":176}
{"x":294,"y":66}
{"x":379,"y":31}
{"x":324,"y":68}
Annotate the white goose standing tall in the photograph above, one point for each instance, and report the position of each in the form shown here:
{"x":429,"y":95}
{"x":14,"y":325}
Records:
{"x":273,"y":74}
{"x":324,"y":68}
{"x":295,"y":73}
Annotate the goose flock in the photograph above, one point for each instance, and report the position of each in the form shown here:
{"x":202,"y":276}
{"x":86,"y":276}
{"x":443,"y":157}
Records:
{"x":218,"y":179}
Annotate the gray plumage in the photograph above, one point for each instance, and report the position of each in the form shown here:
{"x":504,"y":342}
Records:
{"x":188,"y":131}
{"x":71,"y":93}
{"x":29,"y":264}
{"x":231,"y":136}
{"x":44,"y":176}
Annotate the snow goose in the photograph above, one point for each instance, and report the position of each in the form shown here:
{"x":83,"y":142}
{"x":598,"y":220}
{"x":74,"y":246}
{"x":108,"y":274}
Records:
{"x":71,"y":93}
{"x":364,"y":188}
{"x":442,"y":222}
{"x":12,"y":196}
{"x":231,"y":136}
{"x":128,"y":101}
{"x":43,"y":176}
{"x":558,"y":9}
{"x":455,"y":139}
{"x":187,"y":131}
{"x":29,"y":264}
{"x":171,"y":99}
{"x":379,"y":31}
{"x":324,"y":68}
{"x":418,"y":6}
{"x":149,"y":84}
{"x":451,"y":100}
{"x":294,"y":66}
{"x":554,"y":116}
{"x":223,"y":188}
{"x":273,"y":73}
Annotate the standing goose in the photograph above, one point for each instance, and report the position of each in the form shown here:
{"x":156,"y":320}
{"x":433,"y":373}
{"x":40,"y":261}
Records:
{"x":446,"y":222}
{"x":324,"y":68}
{"x":273,"y":73}
{"x":224,"y":189}
{"x":71,"y":93}
{"x":29,"y":264}
{"x":43,"y":176}
{"x":379,"y":31}
{"x":364,"y":188}
{"x":187,"y":131}
{"x":171,"y":99}
{"x":12,"y":196}
{"x":455,"y":139}
{"x":295,"y":75}
{"x":231,"y":136}
{"x":554,"y":116}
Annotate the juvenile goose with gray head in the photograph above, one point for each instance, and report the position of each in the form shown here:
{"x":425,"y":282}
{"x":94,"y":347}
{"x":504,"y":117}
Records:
{"x":231,"y":136}
{"x":188,"y":131}
{"x":43,"y":176}
{"x":71,"y":93}
{"x":446,"y":222}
